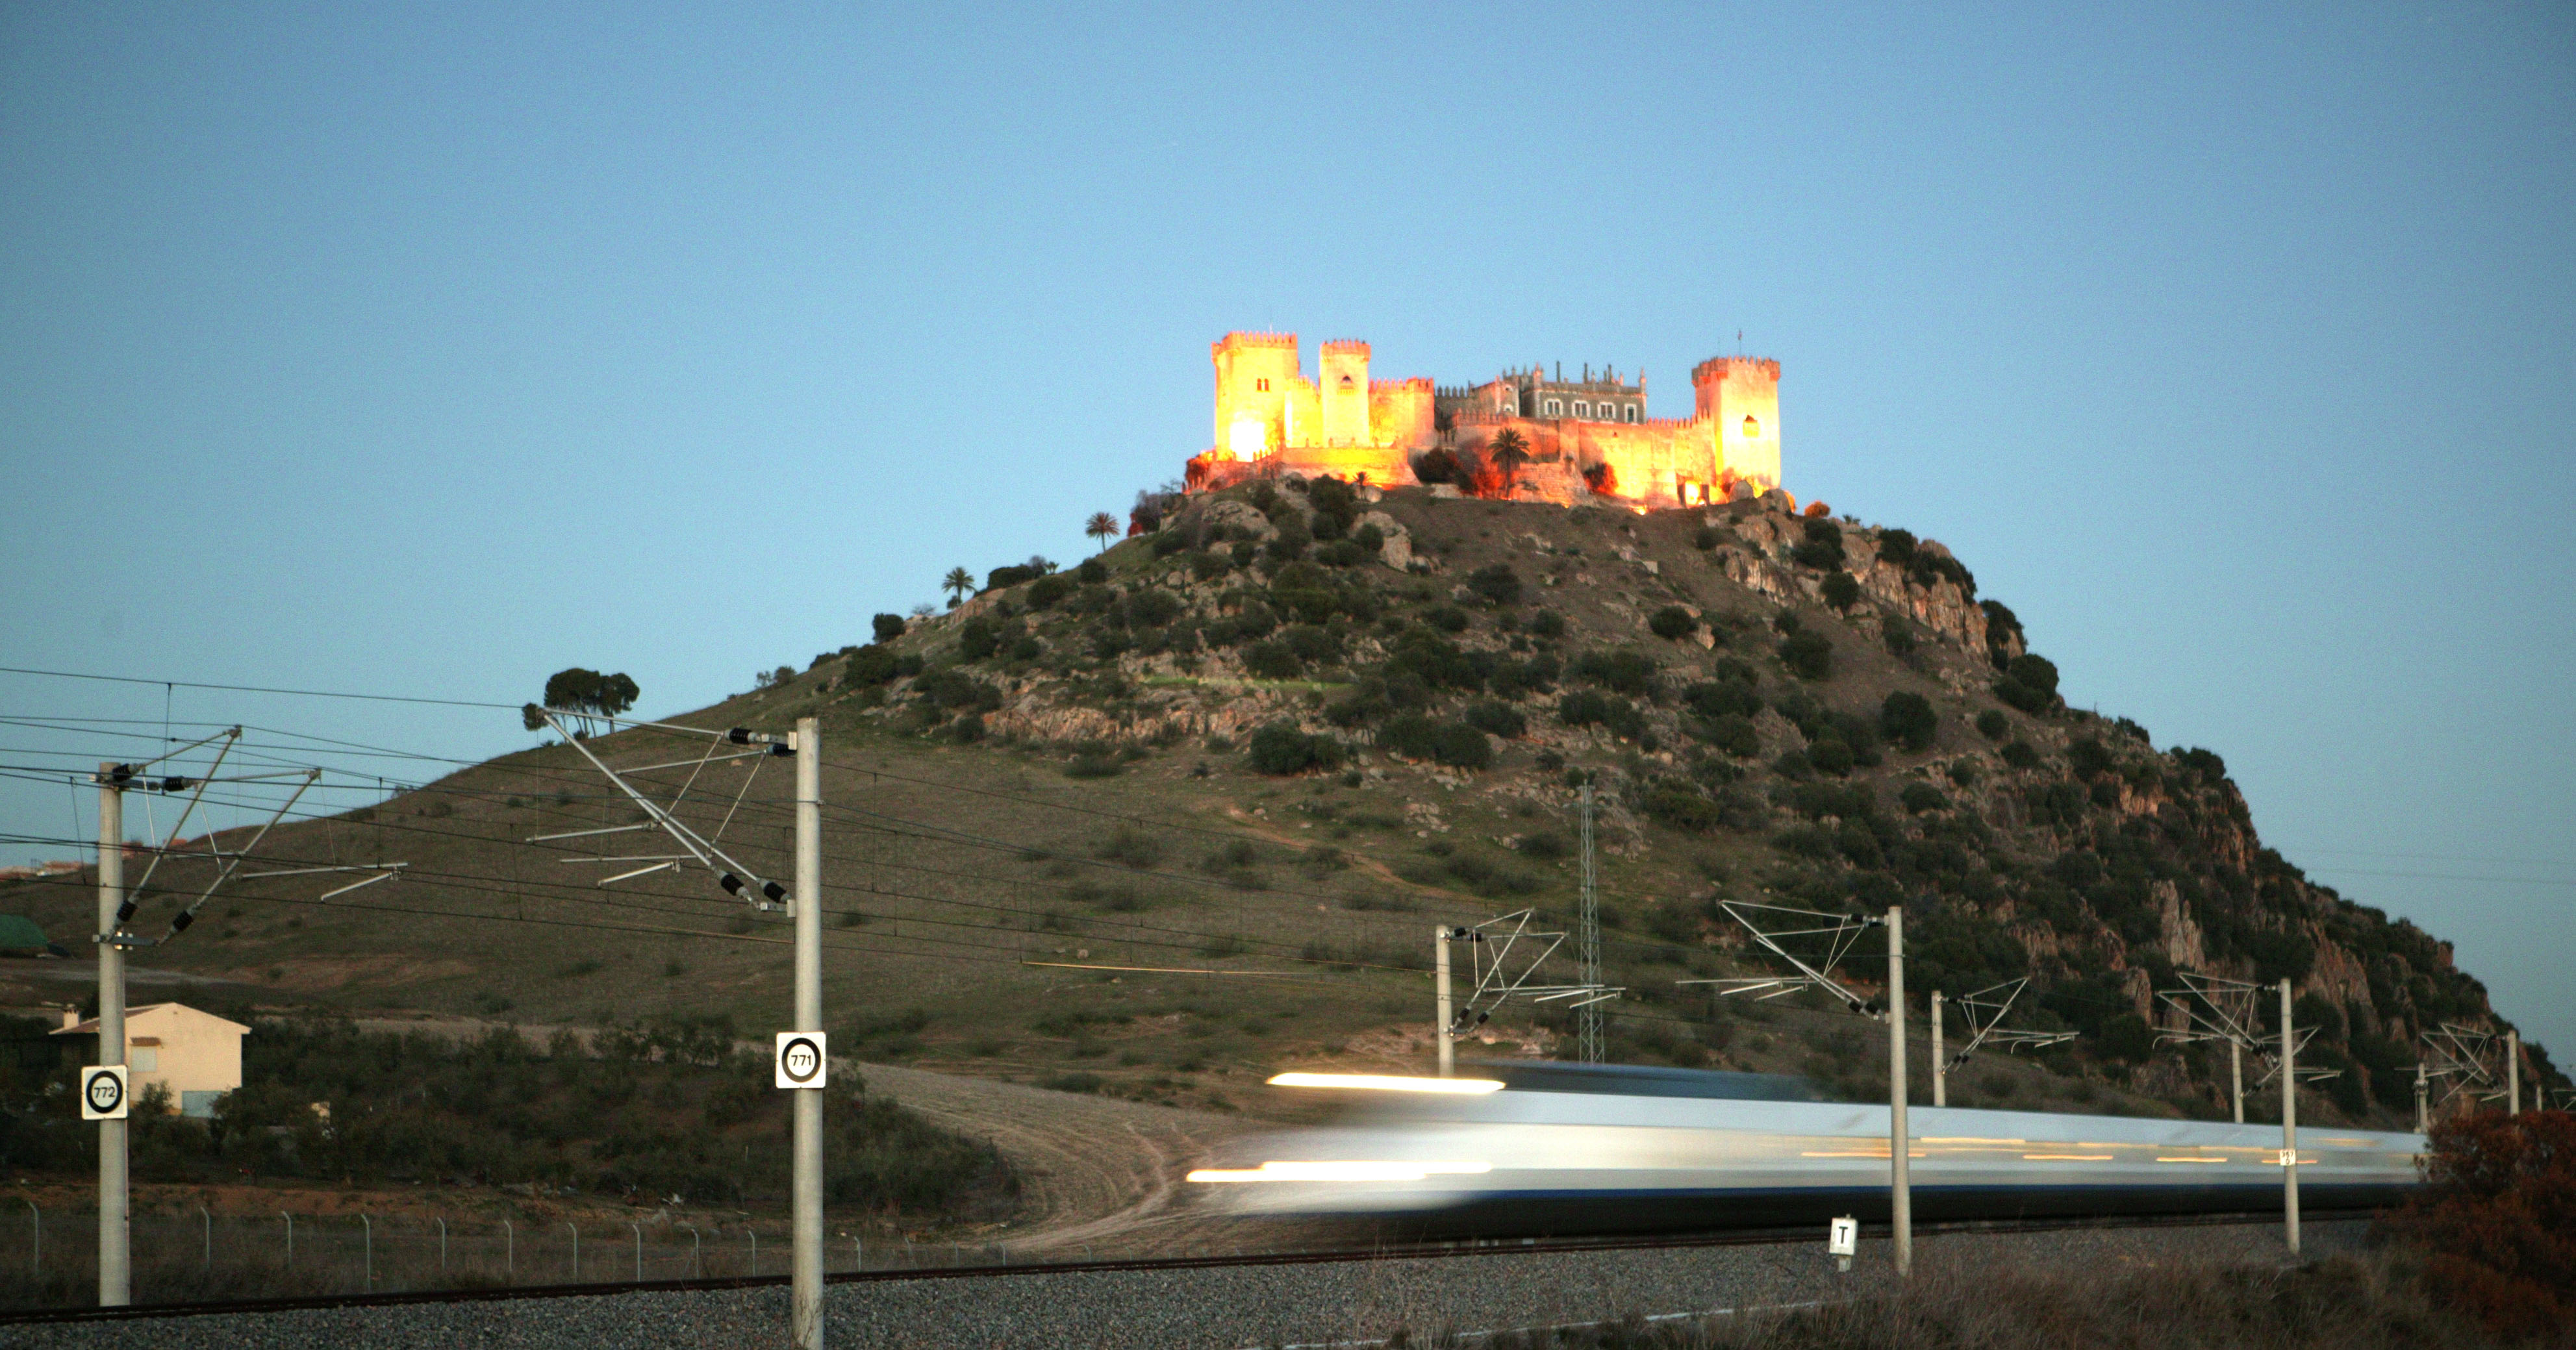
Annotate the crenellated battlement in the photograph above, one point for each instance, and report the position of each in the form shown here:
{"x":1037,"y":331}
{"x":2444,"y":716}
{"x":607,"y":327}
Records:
{"x":1721,"y":367}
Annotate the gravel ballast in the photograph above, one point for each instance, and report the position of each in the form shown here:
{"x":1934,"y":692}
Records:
{"x":1218,"y":1307}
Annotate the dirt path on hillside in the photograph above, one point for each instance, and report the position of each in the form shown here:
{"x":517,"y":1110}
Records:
{"x":1100,"y":1174}
{"x":1097,"y":1173}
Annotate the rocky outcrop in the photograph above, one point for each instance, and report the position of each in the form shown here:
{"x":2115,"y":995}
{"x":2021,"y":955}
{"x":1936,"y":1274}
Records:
{"x":1397,"y":550}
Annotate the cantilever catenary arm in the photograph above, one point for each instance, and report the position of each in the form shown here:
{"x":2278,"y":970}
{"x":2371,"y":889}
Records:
{"x":762,"y":893}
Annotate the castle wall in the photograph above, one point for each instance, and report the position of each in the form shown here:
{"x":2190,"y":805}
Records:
{"x":1400,"y":413}
{"x":1664,"y":462}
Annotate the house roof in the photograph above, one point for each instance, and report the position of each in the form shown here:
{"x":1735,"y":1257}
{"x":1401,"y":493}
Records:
{"x":17,"y":930}
{"x":90,"y":1027}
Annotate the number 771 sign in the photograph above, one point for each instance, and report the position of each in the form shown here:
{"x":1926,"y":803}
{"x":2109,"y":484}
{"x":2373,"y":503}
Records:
{"x":801,"y":1059}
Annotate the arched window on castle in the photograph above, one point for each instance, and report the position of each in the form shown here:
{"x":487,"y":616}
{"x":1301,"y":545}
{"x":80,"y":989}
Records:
{"x":1752,"y":428}
{"x":1582,"y":409}
{"x":1555,"y":408}
{"x":1632,"y":412}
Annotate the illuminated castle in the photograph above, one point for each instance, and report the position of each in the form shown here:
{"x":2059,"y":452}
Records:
{"x":1587,"y":437}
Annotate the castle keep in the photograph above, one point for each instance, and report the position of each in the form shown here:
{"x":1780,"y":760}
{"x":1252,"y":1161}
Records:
{"x":1586,"y":438}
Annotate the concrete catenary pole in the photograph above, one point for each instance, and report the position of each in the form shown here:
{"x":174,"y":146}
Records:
{"x":115,"y":1250}
{"x":1900,"y":1187}
{"x":1588,"y":946}
{"x":2289,"y":1126}
{"x":805,"y":1314}
{"x":2423,"y":1101}
{"x":2236,"y":1076}
{"x":1940,"y":1067}
{"x":2513,"y":1073}
{"x":1440,"y":979}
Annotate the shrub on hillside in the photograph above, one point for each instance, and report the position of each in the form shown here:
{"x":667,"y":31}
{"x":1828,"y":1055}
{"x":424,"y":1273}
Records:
{"x":978,"y":638}
{"x":1907,"y":719}
{"x":2029,"y":683}
{"x":888,"y":627}
{"x":1733,"y":733}
{"x":1993,"y":725}
{"x":1822,"y":545}
{"x":1046,"y":591}
{"x":1683,"y":809}
{"x":1591,"y":707}
{"x":2497,"y":1221}
{"x":1624,"y":671}
{"x":1272,"y":661}
{"x":1498,"y":584}
{"x":1498,"y":719}
{"x":868,"y":666}
{"x":1093,"y":571}
{"x":1896,"y":548}
{"x":1721,"y":697}
{"x":2020,"y":755}
{"x":1841,"y":591}
{"x":1547,"y":623}
{"x":1808,"y":655}
{"x":1282,"y":749}
{"x":1921,"y":797}
{"x":1672,"y":623}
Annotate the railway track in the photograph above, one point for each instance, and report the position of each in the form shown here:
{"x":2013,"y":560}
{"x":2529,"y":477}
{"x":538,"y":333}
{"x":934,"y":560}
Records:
{"x":1410,"y":1251}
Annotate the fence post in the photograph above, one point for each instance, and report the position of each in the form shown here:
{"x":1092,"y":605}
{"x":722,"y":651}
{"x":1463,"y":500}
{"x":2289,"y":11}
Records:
{"x":371,"y":1250}
{"x":290,"y":1238}
{"x":696,"y":1266}
{"x":210,"y":1237}
{"x":509,"y":1253}
{"x":442,"y":1247}
{"x":576,"y":1250}
{"x":755,"y":1250}
{"x":639,"y":1249}
{"x":858,"y":1254}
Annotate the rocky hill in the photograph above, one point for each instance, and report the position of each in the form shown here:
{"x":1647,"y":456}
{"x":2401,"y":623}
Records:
{"x":1291,"y":726}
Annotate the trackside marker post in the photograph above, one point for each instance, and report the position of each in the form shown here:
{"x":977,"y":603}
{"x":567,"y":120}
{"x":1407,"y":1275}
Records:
{"x":1842,"y":1239}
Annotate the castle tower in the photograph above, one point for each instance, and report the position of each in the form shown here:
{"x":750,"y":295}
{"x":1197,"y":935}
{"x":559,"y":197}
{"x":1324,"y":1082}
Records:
{"x":1741,"y":395}
{"x":1345,"y":380}
{"x":1255,"y":375}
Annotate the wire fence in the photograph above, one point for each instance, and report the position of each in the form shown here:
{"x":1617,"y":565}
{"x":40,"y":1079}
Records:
{"x":49,"y":1259}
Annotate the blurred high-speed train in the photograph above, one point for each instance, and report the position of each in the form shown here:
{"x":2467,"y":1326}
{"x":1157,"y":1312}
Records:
{"x":1552,"y":1148}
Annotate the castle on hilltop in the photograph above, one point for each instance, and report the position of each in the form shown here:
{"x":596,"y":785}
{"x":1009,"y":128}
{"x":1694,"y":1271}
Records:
{"x":1579,"y":439}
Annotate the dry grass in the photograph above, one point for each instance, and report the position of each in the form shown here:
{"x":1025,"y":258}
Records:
{"x":2370,"y":1302}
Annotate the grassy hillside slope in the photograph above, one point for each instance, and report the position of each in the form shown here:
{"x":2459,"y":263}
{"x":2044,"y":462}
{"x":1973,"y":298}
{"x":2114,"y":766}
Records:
{"x":1164,"y":823}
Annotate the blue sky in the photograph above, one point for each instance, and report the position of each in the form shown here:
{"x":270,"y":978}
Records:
{"x":427,"y":350}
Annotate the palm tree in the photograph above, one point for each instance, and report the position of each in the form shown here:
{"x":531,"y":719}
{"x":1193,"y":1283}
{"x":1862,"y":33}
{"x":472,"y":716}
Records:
{"x":1102,"y":526}
{"x":1508,"y":452}
{"x":957,"y":583}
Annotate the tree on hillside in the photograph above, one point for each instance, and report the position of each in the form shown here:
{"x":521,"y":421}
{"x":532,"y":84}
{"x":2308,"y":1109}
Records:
{"x":957,"y":583}
{"x":585,"y":692}
{"x":1102,"y":526}
{"x":1508,"y":451}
